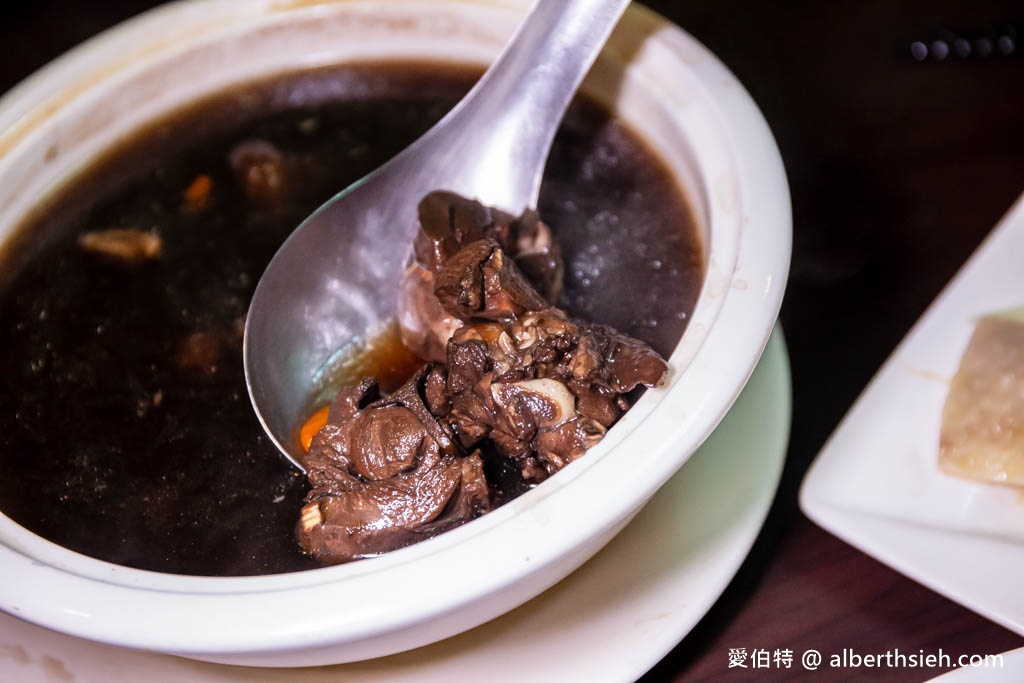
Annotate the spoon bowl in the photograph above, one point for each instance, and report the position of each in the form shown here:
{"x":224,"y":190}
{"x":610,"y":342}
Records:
{"x":333,"y":283}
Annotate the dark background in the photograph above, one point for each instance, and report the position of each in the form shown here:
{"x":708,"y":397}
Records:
{"x":898,"y":168}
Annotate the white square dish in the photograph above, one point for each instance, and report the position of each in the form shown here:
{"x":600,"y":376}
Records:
{"x":876,"y":483}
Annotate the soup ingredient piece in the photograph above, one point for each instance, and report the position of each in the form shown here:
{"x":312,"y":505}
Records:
{"x":542,"y":387}
{"x":982,"y":434}
{"x":449,"y":223}
{"x":260,"y":169}
{"x":314,"y":424}
{"x":201,"y":351}
{"x":519,"y":376}
{"x":128,"y":246}
{"x":197,"y":195}
{"x":386,"y":473}
{"x":481,"y":282}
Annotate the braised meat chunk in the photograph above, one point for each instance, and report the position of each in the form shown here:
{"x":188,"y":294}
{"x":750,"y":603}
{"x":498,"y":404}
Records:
{"x":385,"y":473}
{"x":448,"y":223}
{"x":509,"y":375}
{"x":542,"y":387}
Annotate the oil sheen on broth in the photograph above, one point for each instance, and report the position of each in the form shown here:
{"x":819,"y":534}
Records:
{"x":126,"y":431}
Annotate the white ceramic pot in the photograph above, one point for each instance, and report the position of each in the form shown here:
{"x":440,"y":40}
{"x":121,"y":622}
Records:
{"x":664,"y":83}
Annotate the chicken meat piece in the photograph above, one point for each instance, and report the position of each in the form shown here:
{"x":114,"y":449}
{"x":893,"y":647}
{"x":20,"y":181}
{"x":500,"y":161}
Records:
{"x":384,"y":474}
{"x":509,"y":374}
{"x":448,"y":223}
{"x":544,"y":388}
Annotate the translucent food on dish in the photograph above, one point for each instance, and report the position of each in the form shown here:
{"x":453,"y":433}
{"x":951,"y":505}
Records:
{"x":982,"y":435}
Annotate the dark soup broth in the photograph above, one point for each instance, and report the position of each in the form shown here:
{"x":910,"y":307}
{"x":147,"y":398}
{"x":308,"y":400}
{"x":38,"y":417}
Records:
{"x":126,"y":432}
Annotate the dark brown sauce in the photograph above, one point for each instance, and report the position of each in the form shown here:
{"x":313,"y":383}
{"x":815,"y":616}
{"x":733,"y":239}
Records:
{"x":112,"y":446}
{"x":382,"y":356}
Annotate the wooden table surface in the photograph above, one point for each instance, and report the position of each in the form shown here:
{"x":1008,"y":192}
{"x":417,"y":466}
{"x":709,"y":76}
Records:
{"x":898,"y":168}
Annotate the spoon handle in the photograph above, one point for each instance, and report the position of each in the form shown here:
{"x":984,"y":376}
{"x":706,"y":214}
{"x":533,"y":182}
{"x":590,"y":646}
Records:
{"x":500,"y":134}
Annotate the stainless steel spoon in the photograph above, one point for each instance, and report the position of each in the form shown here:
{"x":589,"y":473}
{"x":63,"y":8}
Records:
{"x":334,"y":280}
